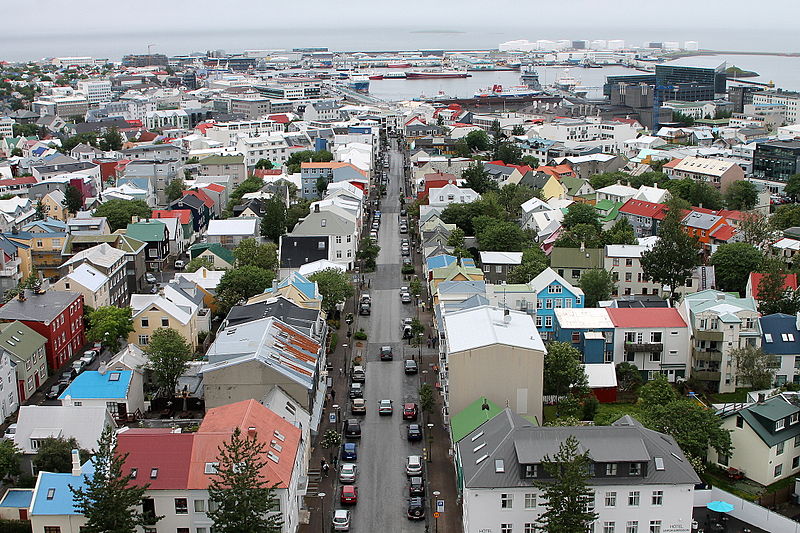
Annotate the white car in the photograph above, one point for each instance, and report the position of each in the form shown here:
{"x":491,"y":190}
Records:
{"x":347,"y":473}
{"x":403,"y":289}
{"x":341,"y":520}
{"x":414,"y":465}
{"x":9,"y":434}
{"x":405,"y":298}
{"x":150,"y":278}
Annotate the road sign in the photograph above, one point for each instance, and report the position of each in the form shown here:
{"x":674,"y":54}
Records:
{"x":436,"y":515}
{"x":439,"y":506}
{"x":332,"y":418}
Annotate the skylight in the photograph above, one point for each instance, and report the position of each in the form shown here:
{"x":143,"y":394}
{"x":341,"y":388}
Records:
{"x":134,"y":471}
{"x":481,"y":459}
{"x":659,"y":463}
{"x":274,"y":458}
{"x":211,"y":468}
{"x":499,"y":466}
{"x":51,"y":493}
{"x":114,"y":376}
{"x":277,"y":434}
{"x":153,"y":473}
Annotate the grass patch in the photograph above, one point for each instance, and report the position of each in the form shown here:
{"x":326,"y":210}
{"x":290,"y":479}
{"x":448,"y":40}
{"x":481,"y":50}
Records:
{"x":608,"y":413}
{"x":749,"y":490}
{"x":549,"y":413}
{"x":739,"y":396}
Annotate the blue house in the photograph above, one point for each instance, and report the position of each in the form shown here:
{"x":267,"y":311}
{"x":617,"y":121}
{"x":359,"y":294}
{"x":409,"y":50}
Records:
{"x":120,"y":391}
{"x":53,"y":502}
{"x":591,"y":331}
{"x":553,"y":292}
{"x":780,"y":336}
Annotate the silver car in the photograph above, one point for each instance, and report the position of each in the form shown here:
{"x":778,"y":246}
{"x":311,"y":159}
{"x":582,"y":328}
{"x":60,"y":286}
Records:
{"x":414,"y":465}
{"x":405,"y":298}
{"x":347,"y":473}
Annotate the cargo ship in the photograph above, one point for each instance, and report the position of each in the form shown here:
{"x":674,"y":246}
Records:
{"x":436,"y":74}
{"x":516,"y":92}
{"x":358,"y":83}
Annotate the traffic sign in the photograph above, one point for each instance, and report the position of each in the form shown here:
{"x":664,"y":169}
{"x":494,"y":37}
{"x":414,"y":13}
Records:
{"x":439,"y":506}
{"x":436,"y":515}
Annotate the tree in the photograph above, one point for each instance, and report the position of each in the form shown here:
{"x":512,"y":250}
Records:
{"x":174,"y":190}
{"x":672,"y":259}
{"x":477,"y":178}
{"x":9,"y":459}
{"x":368,"y":252}
{"x":24,"y":130}
{"x":733,"y":264}
{"x":696,"y":193}
{"x":55,"y":455}
{"x":578,"y":213}
{"x":620,"y":233}
{"x":169,"y":355}
{"x":478,"y":140}
{"x":502,"y":236}
{"x":773,"y":294}
{"x":200,"y":262}
{"x":587,"y":235}
{"x":629,"y":378}
{"x":792,"y":188}
{"x":525,"y":272}
{"x":273,"y":224}
{"x":426,"y":399}
{"x":786,"y":216}
{"x":263,"y":164}
{"x":321,"y":185}
{"x":562,"y":369}
{"x":306,"y":156}
{"x":296,"y":212}
{"x":509,"y":153}
{"x":415,"y":286}
{"x":456,"y":238}
{"x":511,"y":196}
{"x":658,"y":391}
{"x":331,"y":440}
{"x":240,"y":284}
{"x":741,"y":195}
{"x":754,"y":367}
{"x":73,"y":199}
{"x":530,"y":160}
{"x":566,"y":492}
{"x":756,"y":230}
{"x":251,"y":184}
{"x":597,"y":285}
{"x":120,"y":212}
{"x":249,"y":252}
{"x":334,"y":286}
{"x":517,"y":130}
{"x":108,"y":499}
{"x":598,"y":181}
{"x":40,"y":212}
{"x":108,"y":324}
{"x":245,"y":500}
{"x":69,"y":143}
{"x":461,"y":148}
{"x":111,"y":140}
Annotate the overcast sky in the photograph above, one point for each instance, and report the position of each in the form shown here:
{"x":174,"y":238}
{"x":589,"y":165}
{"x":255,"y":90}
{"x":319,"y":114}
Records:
{"x":144,"y":16}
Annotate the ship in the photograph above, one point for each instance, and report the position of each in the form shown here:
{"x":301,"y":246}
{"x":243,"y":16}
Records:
{"x":515,"y":92}
{"x":436,"y":74}
{"x":358,"y":83}
{"x":397,"y":75}
{"x":531,"y":79}
{"x":566,"y":82}
{"x":398,"y":65}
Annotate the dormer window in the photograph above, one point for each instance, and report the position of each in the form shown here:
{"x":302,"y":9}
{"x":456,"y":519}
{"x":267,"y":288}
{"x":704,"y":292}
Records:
{"x":636,"y":469}
{"x":530,"y":471}
{"x":780,"y":424}
{"x":794,"y":419}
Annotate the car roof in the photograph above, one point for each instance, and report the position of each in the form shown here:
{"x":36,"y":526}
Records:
{"x":386,"y":400}
{"x":409,"y":405}
{"x":358,"y":400}
{"x":348,"y":488}
{"x":341,"y":513}
{"x":386,"y":347}
{"x":414,"y":459}
{"x":349,"y":445}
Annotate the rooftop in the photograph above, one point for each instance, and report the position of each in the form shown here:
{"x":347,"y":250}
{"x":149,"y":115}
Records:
{"x":91,"y":384}
{"x":588,"y":318}
{"x":650,"y":317}
{"x":38,"y":307}
{"x":485,"y":326}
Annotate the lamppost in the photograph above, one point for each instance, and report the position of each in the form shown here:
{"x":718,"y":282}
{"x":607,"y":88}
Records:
{"x":430,"y":442}
{"x":436,"y":494}
{"x":322,"y":503}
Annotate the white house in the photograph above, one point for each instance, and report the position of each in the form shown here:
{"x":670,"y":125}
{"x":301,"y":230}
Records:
{"x":230,"y":232}
{"x":337,"y":224}
{"x":119,"y":391}
{"x":451,"y":194}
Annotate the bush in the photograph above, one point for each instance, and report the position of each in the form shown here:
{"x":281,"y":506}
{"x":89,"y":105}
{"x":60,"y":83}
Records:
{"x":407,"y":269}
{"x":360,"y":335}
{"x":590,"y":405}
{"x":332,"y":343}
{"x":334,"y":324}
{"x":15,"y":526}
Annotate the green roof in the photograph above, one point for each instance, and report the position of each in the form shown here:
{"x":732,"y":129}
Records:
{"x":576,"y":258}
{"x":215,"y":248}
{"x":471,"y":418}
{"x":24,"y":340}
{"x":110,"y":239}
{"x":152,"y":231}
{"x":222,"y":160}
{"x":129,"y":244}
{"x":572,"y":184}
{"x":611,"y":207}
{"x":762,"y":418}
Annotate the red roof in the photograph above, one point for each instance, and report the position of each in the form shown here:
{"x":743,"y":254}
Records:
{"x":151,"y":449}
{"x":22,"y":180}
{"x":556,"y":171}
{"x":630,"y":121}
{"x":280,"y":119}
{"x":216,"y":187}
{"x":440,"y":176}
{"x":261,"y":172}
{"x":789,"y":282}
{"x":672,"y":164}
{"x":643,"y":208}
{"x":184,"y":216}
{"x":202,"y":195}
{"x":203,"y":126}
{"x":648,"y":317}
{"x":724,"y":232}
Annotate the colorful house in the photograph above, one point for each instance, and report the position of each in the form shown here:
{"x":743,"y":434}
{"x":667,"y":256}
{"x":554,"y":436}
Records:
{"x":553,"y":292}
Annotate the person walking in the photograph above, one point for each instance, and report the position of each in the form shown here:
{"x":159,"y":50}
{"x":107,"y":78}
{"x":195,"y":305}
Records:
{"x":333,"y":394}
{"x":325,"y":469}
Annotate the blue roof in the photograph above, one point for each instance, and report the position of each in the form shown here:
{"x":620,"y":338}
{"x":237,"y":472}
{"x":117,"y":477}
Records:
{"x":60,"y":502}
{"x":91,"y":384}
{"x":308,"y":288}
{"x":775,"y":326}
{"x":20,"y":498}
{"x":141,"y":183}
{"x":439,"y":261}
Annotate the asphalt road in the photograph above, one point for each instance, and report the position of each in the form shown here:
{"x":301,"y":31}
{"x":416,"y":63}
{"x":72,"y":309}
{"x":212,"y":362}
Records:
{"x":382,"y":482}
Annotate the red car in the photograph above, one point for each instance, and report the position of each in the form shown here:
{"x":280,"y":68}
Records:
{"x":349,"y":495}
{"x":409,"y":411}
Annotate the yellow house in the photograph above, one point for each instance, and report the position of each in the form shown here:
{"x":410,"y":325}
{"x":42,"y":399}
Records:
{"x":553,"y":188}
{"x":87,"y":280}
{"x":454,"y":272}
{"x":45,"y":241}
{"x":173,"y":308}
{"x":53,"y":206}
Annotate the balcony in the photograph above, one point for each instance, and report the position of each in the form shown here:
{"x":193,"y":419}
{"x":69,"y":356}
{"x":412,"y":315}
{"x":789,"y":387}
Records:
{"x":639,"y":347}
{"x":708,"y":335}
{"x":707,"y":355}
{"x":707,"y":375}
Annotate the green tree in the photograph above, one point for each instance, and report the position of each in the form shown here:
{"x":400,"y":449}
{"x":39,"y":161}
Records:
{"x":55,"y":455}
{"x":296,"y":212}
{"x":792,"y":188}
{"x":368,"y":252}
{"x":656,"y":392}
{"x":250,"y":185}
{"x":511,"y":196}
{"x":306,"y":156}
{"x":111,"y":140}
{"x":245,"y":500}
{"x":672,"y":259}
{"x":24,"y":130}
{"x":756,"y":230}
{"x":331,"y":440}
{"x":456,"y":238}
{"x":562,"y":369}
{"x":120,"y":212}
{"x":73,"y":199}
{"x":263,"y":164}
{"x":426,"y":398}
{"x":477,"y":179}
{"x":169,"y":355}
{"x":16,"y":152}
{"x":502,"y":236}
{"x":686,"y":120}
{"x":598,"y":181}
{"x":40,"y":212}
{"x":415,"y":286}
{"x":741,"y":195}
{"x":200,"y":262}
{"x":10,"y":456}
{"x":629,"y":378}
{"x":321,"y":185}
{"x":249,"y":252}
{"x":773,"y":295}
{"x":461,"y":148}
{"x":478,"y":140}
{"x":517,"y":130}
{"x":786,"y":216}
{"x":109,"y":324}
{"x":509,"y":153}
{"x":334,"y":286}
{"x":733,"y":264}
{"x":530,"y":160}
{"x":174,"y":190}
{"x":273,"y":224}
{"x":578,"y":213}
{"x":566,"y":490}
{"x":240,"y":284}
{"x":525,"y":272}
{"x":754,"y":367}
{"x":109,"y":499}
{"x":69,"y":143}
{"x":597,"y":285}
{"x":587,"y":235}
{"x":697,"y":193}
{"x":620,"y":233}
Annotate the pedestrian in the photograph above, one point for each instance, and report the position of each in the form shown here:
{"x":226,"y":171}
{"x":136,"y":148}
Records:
{"x":325,"y":469}
{"x":428,"y":342}
{"x":341,"y":370}
{"x":333,"y":395}
{"x":335,"y":461}
{"x":322,"y":464}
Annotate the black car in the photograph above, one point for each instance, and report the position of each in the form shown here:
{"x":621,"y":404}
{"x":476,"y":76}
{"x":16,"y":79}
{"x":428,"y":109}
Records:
{"x":410,"y":366}
{"x":417,"y":487}
{"x":386,"y":353}
{"x":356,"y":390}
{"x":403,"y":212}
{"x":414,"y":432}
{"x":352,"y":429}
{"x":416,"y":509}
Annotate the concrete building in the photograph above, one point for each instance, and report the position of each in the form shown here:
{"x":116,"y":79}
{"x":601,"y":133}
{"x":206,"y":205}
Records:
{"x":774,"y":161}
{"x":335,"y":224}
{"x":497,"y":265}
{"x":65,"y":107}
{"x":167,"y":119}
{"x":493,"y":353}
{"x":715,"y":172}
{"x":225,"y":165}
{"x":789,"y":99}
{"x":624,"y":263}
{"x":97,"y":91}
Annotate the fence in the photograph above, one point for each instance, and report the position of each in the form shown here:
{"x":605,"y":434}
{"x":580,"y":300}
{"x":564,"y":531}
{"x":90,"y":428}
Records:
{"x":749,"y":512}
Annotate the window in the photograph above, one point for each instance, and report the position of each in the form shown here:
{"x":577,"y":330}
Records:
{"x":655,"y":336}
{"x":554,"y":289}
{"x":794,"y":418}
{"x":576,"y":273}
{"x":153,"y":473}
{"x":628,"y":276}
{"x":797,"y":441}
{"x":145,"y":322}
{"x":628,"y":262}
{"x":633,"y":498}
{"x":199,"y":506}
{"x":183,"y":530}
{"x":795,"y":462}
{"x":530,"y":528}
{"x":506,"y":501}
{"x":576,"y":336}
{"x":780,"y":424}
{"x":539,"y":304}
{"x":549,"y":303}
{"x":164,"y":322}
{"x":608,"y":527}
{"x":658,"y":497}
{"x":611,"y":469}
{"x":181,"y":506}
{"x":144,"y":340}
{"x":548,"y":322}
{"x":632,"y":527}
{"x":779,"y":449}
{"x":531,"y":471}
{"x":739,"y":422}
{"x":530,"y":501}
{"x":611,"y":499}
{"x":615,"y":261}
{"x":505,"y":528}
{"x":778,"y":470}
{"x":538,"y":321}
{"x":52,"y":529}
{"x":636,"y":469}
{"x":655,"y":526}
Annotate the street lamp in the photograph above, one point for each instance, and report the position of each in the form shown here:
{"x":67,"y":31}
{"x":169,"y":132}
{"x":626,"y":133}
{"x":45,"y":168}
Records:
{"x":436,"y":494}
{"x":322,"y":502}
{"x":430,"y":443}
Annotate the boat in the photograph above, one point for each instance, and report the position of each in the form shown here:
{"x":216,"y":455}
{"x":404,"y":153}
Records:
{"x":566,"y":82}
{"x":398,"y":65}
{"x":513,"y":92}
{"x":376,"y":76}
{"x":531,"y":78}
{"x":394,"y":75}
{"x":436,"y":74}
{"x":358,"y":83}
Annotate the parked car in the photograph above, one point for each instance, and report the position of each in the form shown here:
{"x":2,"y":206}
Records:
{"x":373,"y":235}
{"x":402,"y":290}
{"x":349,"y":495}
{"x":91,"y":354}
{"x":78,"y":366}
{"x":67,"y":376}
{"x":416,"y":486}
{"x":349,"y":451}
{"x":364,"y":308}
{"x":405,"y":298}
{"x":347,"y":473}
{"x":410,"y":366}
{"x":410,"y":411}
{"x":414,"y":432}
{"x":405,"y":251}
{"x":150,"y":278}
{"x":179,"y":264}
{"x":386,"y":353}
{"x":414,"y":465}
{"x":56,"y":390}
{"x":406,"y":261}
{"x":356,"y":390}
{"x":352,"y":429}
{"x":385,"y":407}
{"x":416,"y":509}
{"x":10,"y":431}
{"x":358,"y":375}
{"x":403,"y":212}
{"x":341,"y":520}
{"x":407,"y":332}
{"x":358,"y":406}
{"x":403,"y":228}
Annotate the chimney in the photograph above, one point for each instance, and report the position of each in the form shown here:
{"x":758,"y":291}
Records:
{"x":761,"y":397}
{"x":251,"y":432}
{"x":700,"y":205}
{"x":583,"y":246}
{"x":134,"y":219}
{"x":506,"y":316}
{"x":76,"y":463}
{"x":205,"y":271}
{"x":21,"y":295}
{"x":274,"y":285}
{"x":316,"y":208}
{"x":102,"y":369}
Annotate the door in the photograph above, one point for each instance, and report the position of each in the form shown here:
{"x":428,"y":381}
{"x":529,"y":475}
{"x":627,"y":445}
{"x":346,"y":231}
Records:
{"x":23,"y":514}
{"x":122,"y":411}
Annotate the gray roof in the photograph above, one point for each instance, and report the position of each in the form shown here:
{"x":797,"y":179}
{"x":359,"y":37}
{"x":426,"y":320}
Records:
{"x":514,"y":440}
{"x":44,"y":307}
{"x":700,"y":220}
{"x":39,"y":421}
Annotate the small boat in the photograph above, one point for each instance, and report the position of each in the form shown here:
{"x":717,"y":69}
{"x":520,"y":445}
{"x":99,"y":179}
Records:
{"x":394,"y":75}
{"x":376,"y":76}
{"x":498,"y":91}
{"x":398,"y":65}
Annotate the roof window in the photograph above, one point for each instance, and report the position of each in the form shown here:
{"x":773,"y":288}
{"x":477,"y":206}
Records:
{"x":153,"y":473}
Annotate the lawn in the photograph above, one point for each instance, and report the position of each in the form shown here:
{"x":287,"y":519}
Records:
{"x":608,"y":413}
{"x":739,"y":396}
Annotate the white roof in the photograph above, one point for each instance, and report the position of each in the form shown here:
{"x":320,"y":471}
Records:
{"x":535,"y":203}
{"x":203,"y":277}
{"x":703,"y":165}
{"x":483,"y":326}
{"x":103,"y":255}
{"x":652,"y":194}
{"x":618,"y":190}
{"x":572,"y":318}
{"x":548,"y":276}
{"x":625,"y":250}
{"x":84,"y":423}
{"x":648,"y":241}
{"x":586,"y":158}
{"x":315,"y":266}
{"x":88,"y":276}
{"x":233,"y":226}
{"x":601,"y":375}
{"x":501,"y":258}
{"x":787,"y":244}
{"x":171,"y":303}
{"x":131,"y":357}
